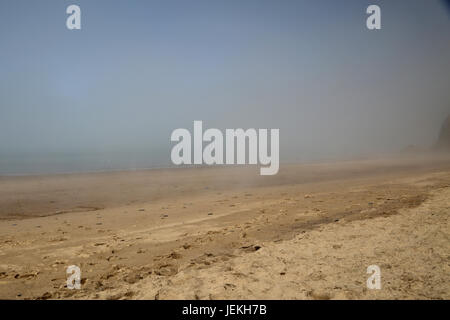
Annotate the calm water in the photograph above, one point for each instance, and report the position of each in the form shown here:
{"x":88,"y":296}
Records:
{"x":54,"y":162}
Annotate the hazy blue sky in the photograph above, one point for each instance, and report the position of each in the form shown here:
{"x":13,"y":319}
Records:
{"x":140,"y":69}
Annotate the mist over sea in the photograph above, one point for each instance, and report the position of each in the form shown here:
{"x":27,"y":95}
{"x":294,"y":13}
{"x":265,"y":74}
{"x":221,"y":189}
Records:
{"x":41,"y":163}
{"x":108,"y":96}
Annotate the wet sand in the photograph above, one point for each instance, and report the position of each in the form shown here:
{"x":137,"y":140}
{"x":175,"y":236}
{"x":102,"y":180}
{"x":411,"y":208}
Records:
{"x":309,"y":232}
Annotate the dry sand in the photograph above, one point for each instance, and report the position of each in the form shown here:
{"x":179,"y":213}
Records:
{"x":227,"y":233}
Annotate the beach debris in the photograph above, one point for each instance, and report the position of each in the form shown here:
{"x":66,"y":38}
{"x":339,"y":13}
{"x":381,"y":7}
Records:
{"x":98,"y":285}
{"x":27,"y":276}
{"x":45,"y":296}
{"x":251,"y":248}
{"x":175,"y":255}
{"x":229,"y":286}
{"x":319,"y":295}
{"x":133,"y":278}
{"x":167,"y":270}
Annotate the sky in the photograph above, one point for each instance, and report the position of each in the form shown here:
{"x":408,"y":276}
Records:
{"x":137,"y":70}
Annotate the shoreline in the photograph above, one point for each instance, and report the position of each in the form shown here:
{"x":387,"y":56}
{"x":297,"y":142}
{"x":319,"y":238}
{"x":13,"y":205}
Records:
{"x":323,"y":161}
{"x":28,"y":196}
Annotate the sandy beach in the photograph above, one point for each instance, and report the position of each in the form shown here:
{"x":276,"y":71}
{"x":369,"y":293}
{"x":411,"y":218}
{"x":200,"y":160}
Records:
{"x":309,"y":232}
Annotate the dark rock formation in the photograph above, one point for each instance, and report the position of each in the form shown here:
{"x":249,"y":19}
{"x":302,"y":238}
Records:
{"x":444,"y":136}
